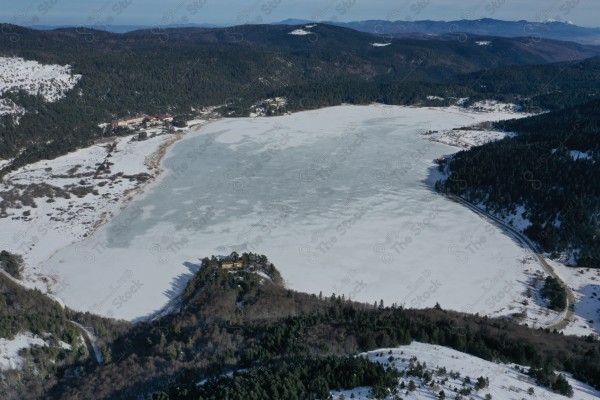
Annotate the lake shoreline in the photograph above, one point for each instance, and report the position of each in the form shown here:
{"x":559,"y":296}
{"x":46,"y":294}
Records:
{"x":210,"y":180}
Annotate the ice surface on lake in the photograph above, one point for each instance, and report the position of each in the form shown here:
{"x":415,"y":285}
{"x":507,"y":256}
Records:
{"x":340,"y":199}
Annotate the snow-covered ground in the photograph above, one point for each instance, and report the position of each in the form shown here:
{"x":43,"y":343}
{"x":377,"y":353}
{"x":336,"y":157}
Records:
{"x":467,"y":138}
{"x":10,"y":349}
{"x":7,"y":106}
{"x":578,"y":155}
{"x":50,"y":81}
{"x":299,"y":32}
{"x":54,"y":203}
{"x":533,"y":308}
{"x":477,"y":134}
{"x":585,"y":283}
{"x":339,"y":199}
{"x":380,"y":44}
{"x":493,"y":106}
{"x":506,"y":381}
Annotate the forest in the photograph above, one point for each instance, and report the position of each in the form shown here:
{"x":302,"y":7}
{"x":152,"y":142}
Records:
{"x":241,"y":321}
{"x":537,"y":88}
{"x":12,"y":263}
{"x":550,"y":168}
{"x":25,"y":310}
{"x":179,"y":71}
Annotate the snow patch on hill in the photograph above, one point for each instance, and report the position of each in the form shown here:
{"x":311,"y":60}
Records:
{"x":466,"y":138}
{"x":380,"y":44}
{"x":449,"y":368}
{"x":299,"y":32}
{"x":7,"y":107}
{"x":10,"y":349}
{"x":493,"y":106}
{"x":51,"y":81}
{"x":578,"y":155}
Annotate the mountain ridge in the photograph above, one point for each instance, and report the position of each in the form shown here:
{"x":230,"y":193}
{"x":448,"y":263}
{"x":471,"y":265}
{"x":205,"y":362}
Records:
{"x":557,"y":30}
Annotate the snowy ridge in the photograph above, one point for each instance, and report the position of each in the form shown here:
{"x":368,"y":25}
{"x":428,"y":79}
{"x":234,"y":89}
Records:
{"x":50,"y":81}
{"x":450,"y":368}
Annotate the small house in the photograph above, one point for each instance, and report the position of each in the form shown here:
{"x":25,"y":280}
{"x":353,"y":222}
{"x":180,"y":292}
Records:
{"x":232,"y":265}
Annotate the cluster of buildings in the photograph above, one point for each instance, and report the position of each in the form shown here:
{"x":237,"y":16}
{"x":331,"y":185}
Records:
{"x":277,"y":102}
{"x":268,"y":107}
{"x":229,"y":262}
{"x":140,"y":119}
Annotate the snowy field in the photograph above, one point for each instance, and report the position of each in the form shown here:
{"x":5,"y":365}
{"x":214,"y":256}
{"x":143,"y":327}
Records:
{"x":506,"y":381}
{"x":585,"y":283}
{"x":54,"y":203}
{"x":339,"y":199}
{"x":50,"y":81}
{"x":476,"y":134}
{"x":466,"y":138}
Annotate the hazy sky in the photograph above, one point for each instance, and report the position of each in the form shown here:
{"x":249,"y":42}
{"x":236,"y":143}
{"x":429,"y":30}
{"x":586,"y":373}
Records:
{"x":160,"y":12}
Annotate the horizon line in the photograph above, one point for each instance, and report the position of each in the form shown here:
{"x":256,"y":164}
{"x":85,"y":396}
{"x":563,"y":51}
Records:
{"x":299,"y":21}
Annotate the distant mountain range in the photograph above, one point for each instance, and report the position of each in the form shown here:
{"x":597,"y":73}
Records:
{"x":121,"y":28}
{"x":484,"y":27}
{"x":313,"y":65}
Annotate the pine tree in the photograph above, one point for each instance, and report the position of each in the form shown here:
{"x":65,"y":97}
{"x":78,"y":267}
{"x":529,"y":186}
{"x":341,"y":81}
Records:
{"x":562,"y":386}
{"x":412,"y":386}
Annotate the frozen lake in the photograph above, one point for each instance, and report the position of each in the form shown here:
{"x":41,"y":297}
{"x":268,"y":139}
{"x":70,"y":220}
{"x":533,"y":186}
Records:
{"x":340,"y":199}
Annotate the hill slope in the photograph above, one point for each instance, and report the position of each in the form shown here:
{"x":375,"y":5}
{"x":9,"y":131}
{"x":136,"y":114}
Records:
{"x":485,"y":26}
{"x":242,"y":319}
{"x":546,"y":177}
{"x":182,"y":70}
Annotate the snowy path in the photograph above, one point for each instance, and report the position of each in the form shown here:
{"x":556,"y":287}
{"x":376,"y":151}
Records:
{"x":91,"y":342}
